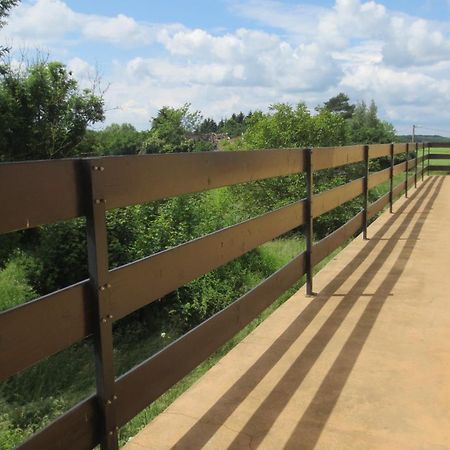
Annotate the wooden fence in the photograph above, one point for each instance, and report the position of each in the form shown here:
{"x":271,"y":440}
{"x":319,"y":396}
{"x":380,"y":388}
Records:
{"x":444,"y":158}
{"x":44,"y":192}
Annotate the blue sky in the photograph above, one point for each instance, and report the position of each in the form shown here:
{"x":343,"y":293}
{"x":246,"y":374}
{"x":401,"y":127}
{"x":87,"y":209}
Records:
{"x":229,"y":55}
{"x":213,"y":13}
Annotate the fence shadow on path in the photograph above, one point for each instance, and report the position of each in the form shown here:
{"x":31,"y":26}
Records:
{"x":308,"y":430}
{"x":265,"y":415}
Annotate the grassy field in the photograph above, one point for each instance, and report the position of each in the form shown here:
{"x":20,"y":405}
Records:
{"x":440,"y":162}
{"x":441,"y":151}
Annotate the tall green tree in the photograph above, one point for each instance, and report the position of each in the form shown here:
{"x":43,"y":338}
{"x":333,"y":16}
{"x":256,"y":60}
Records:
{"x":173,"y":130}
{"x":208,"y":126}
{"x":366,"y":127}
{"x":341,"y":105}
{"x":288,"y":126}
{"x":234,"y":125}
{"x":115,"y":139}
{"x":43,"y":112}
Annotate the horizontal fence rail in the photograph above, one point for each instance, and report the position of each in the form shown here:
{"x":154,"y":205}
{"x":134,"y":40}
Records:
{"x":329,"y":157}
{"x":175,"y":361}
{"x":439,"y":156}
{"x":439,"y":168}
{"x":151,"y":278}
{"x":438,"y":145}
{"x":400,"y":148}
{"x":379,"y":150}
{"x":328,"y":200}
{"x":51,"y":191}
{"x":379,"y":177}
{"x":141,"y":179}
{"x":334,"y":240}
{"x":36,"y":330}
{"x":441,"y":161}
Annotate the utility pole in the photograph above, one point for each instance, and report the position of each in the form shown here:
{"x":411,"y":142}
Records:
{"x":414,"y":133}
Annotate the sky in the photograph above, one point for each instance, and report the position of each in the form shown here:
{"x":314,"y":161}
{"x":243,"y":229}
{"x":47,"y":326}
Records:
{"x":225,"y":56}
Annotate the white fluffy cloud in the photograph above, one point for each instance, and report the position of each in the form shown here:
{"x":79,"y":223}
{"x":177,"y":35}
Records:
{"x":399,"y":60}
{"x":48,"y":21}
{"x":245,"y":57}
{"x":298,"y":52}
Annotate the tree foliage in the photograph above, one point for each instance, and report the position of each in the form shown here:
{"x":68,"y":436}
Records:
{"x":208,"y":125}
{"x":235,"y":125}
{"x":177,"y":130}
{"x":5,"y":8}
{"x":43,"y":112}
{"x":119,"y":139}
{"x":365,"y":127}
{"x":15,"y":287}
{"x":340,"y":104}
{"x":172,"y":130}
{"x":363,"y":124}
{"x":288,"y":126}
{"x":115,"y":139}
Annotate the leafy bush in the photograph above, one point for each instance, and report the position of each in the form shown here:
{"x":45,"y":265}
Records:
{"x":14,"y":286}
{"x":62,"y":252}
{"x":10,"y":436}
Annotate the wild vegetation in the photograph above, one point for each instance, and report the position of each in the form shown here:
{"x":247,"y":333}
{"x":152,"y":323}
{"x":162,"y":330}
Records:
{"x":44,"y":114}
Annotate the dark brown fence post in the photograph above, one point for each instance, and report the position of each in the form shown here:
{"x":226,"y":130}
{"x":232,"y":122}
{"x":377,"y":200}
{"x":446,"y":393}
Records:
{"x":391,"y":180}
{"x":406,"y":171}
{"x":423,"y":160}
{"x":99,"y":276}
{"x":366,"y":190}
{"x":429,"y":160}
{"x":416,"y":155}
{"x":309,"y":231}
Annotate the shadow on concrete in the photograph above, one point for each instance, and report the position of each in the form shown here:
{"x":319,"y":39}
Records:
{"x":314,"y":419}
{"x":310,"y":426}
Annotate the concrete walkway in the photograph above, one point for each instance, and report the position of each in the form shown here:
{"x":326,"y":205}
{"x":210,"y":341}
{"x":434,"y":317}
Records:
{"x":363,"y":365}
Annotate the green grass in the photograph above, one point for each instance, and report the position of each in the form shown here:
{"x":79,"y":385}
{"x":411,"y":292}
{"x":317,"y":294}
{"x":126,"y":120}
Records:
{"x":14,"y":287}
{"x":440,"y":162}
{"x":439,"y":150}
{"x":383,"y":188}
{"x":281,"y":251}
{"x":34,"y":397}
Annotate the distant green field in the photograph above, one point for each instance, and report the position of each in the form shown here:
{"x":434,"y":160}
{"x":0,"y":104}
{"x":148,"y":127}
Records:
{"x":440,"y":162}
{"x":440,"y":150}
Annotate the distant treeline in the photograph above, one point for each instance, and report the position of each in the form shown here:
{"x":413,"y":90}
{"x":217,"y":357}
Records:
{"x":422,"y":138}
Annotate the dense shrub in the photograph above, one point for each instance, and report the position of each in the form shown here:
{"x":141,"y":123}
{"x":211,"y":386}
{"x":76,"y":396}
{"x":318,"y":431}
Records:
{"x":14,"y":286}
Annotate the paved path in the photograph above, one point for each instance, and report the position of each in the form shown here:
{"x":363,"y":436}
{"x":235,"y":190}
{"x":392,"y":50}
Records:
{"x":364,"y":365}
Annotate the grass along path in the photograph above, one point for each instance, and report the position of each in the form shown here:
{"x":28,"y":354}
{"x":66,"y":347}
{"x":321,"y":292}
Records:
{"x":440,"y":162}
